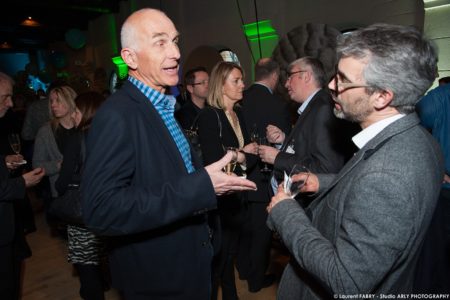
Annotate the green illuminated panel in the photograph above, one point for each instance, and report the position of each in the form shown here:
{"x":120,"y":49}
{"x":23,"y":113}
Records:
{"x":121,"y":67}
{"x":269,"y":37}
{"x":265,"y":28}
{"x":263,"y":44}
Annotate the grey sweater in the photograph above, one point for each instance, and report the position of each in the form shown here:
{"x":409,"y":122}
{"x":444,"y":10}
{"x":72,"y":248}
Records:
{"x":47,"y":155}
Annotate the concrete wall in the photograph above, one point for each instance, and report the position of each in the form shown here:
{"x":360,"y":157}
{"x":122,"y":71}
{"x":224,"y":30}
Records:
{"x":437,"y":28}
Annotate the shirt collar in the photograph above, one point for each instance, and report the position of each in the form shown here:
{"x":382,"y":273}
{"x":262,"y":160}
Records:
{"x":364,"y":136}
{"x":260,"y":83}
{"x":156,"y":98}
{"x":302,"y":107}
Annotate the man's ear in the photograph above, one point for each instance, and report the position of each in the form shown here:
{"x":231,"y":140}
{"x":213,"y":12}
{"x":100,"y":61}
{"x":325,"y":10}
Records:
{"x":383,"y":99}
{"x":129,"y":57}
{"x":307,"y":76}
{"x":190,"y":88}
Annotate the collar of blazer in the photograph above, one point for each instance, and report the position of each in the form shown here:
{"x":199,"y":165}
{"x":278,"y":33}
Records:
{"x":314,"y":101}
{"x":369,"y":149}
{"x":163,"y":135}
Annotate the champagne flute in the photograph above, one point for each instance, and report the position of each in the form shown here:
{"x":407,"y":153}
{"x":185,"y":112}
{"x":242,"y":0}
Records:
{"x":293,"y":188}
{"x":264,"y":142}
{"x":14,"y":142}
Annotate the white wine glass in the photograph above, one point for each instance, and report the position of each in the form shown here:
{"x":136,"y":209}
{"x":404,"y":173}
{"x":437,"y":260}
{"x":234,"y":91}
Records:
{"x":229,"y":168}
{"x":254,"y":135}
{"x":264,"y":142}
{"x":14,"y":142}
{"x":293,"y":188}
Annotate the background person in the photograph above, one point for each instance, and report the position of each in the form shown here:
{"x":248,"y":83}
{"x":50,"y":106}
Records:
{"x":196,"y":82}
{"x":260,"y":108}
{"x":51,"y":140}
{"x":221,"y":126}
{"x":86,"y":251}
{"x":12,"y":238}
{"x":319,"y":141}
{"x":433,"y":270}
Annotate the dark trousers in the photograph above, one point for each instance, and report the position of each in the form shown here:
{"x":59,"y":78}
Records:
{"x":254,"y":246}
{"x":10,"y":270}
{"x":223,"y":266}
{"x":91,"y":282}
{"x":433,"y":267}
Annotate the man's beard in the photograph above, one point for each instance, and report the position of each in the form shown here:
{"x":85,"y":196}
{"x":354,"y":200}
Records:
{"x":357,"y":114}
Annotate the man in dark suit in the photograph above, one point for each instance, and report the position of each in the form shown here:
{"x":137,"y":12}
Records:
{"x":363,"y":233}
{"x":11,"y":189}
{"x":141,"y":184}
{"x":319,"y":141}
{"x":260,"y":107}
{"x":196,"y":82}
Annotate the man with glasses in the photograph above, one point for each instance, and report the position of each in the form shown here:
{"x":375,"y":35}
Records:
{"x":319,"y":141}
{"x":196,"y":82}
{"x":362,"y":234}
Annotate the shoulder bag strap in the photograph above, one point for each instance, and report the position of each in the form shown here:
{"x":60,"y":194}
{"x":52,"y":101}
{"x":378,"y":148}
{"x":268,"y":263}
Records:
{"x":219,"y":123}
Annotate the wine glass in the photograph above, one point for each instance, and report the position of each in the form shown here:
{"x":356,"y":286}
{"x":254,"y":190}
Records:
{"x":229,"y":168}
{"x":293,"y":188}
{"x":14,"y":142}
{"x":264,"y":142}
{"x":254,"y":135}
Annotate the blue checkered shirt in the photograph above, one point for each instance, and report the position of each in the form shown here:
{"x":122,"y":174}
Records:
{"x":165,"y":106}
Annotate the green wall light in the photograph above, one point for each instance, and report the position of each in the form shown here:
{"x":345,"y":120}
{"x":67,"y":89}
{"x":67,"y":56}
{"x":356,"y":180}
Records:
{"x":267,"y":39}
{"x":264,"y":26}
{"x":121,"y":66}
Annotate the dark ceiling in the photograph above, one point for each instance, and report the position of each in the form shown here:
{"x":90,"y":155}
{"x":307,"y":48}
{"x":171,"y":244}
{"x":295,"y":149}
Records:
{"x":55,"y":16}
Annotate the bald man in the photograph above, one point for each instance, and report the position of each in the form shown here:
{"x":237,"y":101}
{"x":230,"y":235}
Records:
{"x":142,"y":184}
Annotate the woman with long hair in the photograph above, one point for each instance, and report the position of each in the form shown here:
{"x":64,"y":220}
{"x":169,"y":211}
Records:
{"x":85,"y":249}
{"x":51,"y":140}
{"x":221,"y":127}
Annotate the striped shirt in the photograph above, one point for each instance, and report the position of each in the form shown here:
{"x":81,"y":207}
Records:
{"x":165,"y":106}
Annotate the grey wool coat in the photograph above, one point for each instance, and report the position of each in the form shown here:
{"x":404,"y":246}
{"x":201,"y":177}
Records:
{"x":363,"y":233}
{"x":46,"y":154}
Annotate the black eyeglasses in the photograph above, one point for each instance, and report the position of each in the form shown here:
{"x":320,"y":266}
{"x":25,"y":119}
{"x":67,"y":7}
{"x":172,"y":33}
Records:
{"x":203,"y":82}
{"x":293,"y":73}
{"x":339,"y":87}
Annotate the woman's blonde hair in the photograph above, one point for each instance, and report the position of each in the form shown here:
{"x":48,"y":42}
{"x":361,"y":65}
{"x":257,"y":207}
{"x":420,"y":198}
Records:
{"x":65,"y":94}
{"x":219,"y":75}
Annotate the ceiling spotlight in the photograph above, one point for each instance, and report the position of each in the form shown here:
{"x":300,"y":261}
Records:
{"x":30,"y":22}
{"x":5,"y":45}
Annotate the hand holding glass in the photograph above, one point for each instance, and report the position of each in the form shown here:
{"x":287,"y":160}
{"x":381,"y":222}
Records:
{"x":229,"y":168}
{"x":264,"y":142}
{"x":292,"y":188}
{"x":14,"y":142}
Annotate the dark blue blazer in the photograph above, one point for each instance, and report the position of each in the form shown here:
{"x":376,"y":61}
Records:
{"x":136,"y":189}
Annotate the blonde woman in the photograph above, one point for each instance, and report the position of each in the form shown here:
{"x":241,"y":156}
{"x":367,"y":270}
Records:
{"x":221,"y":126}
{"x":52,"y":137}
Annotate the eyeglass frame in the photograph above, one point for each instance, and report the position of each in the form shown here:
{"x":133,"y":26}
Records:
{"x":346,"y":85}
{"x":203,"y":82}
{"x":289,"y":74}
